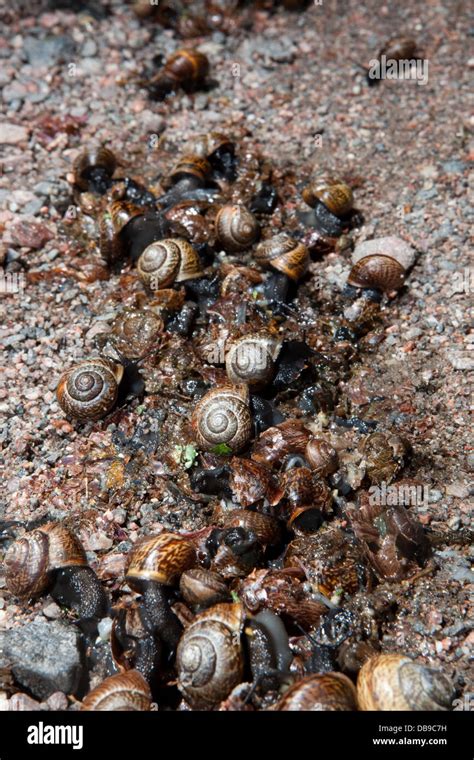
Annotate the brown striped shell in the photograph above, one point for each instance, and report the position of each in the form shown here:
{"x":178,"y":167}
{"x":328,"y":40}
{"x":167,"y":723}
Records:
{"x":236,"y":228}
{"x":328,"y":692}
{"x":284,"y":254}
{"x":332,"y":192}
{"x":222,"y":417}
{"x":190,"y":166}
{"x":209,"y":659}
{"x":394,"y":682}
{"x":89,"y":391}
{"x":135,"y":331}
{"x":115,"y":217}
{"x":203,"y":588}
{"x":161,"y":559}
{"x":168,"y":261}
{"x":30,"y":560}
{"x":119,"y":693}
{"x":187,"y":67}
{"x":321,"y":456}
{"x":378,"y":272}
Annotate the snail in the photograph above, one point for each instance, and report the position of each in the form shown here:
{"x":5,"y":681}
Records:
{"x":132,"y":645}
{"x":154,"y":563}
{"x":236,"y":228}
{"x":383,"y":455}
{"x":329,"y":692}
{"x":309,"y":499}
{"x":124,"y":691}
{"x":321,"y":456}
{"x":203,"y":588}
{"x":168,"y":261}
{"x":222,"y":418}
{"x":93,"y":169}
{"x":334,"y":561}
{"x":209,"y":659}
{"x":134,"y":331}
{"x":332,"y":192}
{"x":269,"y":650}
{"x":265,"y":527}
{"x":284,"y":254}
{"x":381,"y":264}
{"x":234,"y":551}
{"x":112,"y":222}
{"x":252,"y":482}
{"x":219,"y":149}
{"x":89,"y":391}
{"x":398,"y":48}
{"x":394,"y":682}
{"x":251,"y":359}
{"x":279,"y":441}
{"x":51,"y":558}
{"x":187,"y":69}
{"x":192,"y":169}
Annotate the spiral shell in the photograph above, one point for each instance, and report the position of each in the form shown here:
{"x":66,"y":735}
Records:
{"x":90,"y":390}
{"x":30,"y":560}
{"x":236,"y":228}
{"x":90,"y":161}
{"x":187,"y":67}
{"x":332,"y":192}
{"x":209,"y":658}
{"x":168,"y":261}
{"x":203,"y":588}
{"x":251,"y":359}
{"x":161,"y":559}
{"x":284,"y":254}
{"x":223,"y":416}
{"x":381,"y":263}
{"x":321,"y":456}
{"x":265,"y":527}
{"x":134,"y":331}
{"x":115,"y":217}
{"x":394,"y":682}
{"x":124,"y":691}
{"x":329,"y":692}
{"x":197,"y":167}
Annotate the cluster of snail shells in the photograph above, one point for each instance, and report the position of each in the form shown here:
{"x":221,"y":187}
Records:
{"x":89,"y":391}
{"x":223,"y":417}
{"x":381,"y":264}
{"x":168,"y":261}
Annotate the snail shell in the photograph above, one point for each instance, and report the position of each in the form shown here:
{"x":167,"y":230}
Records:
{"x":210,"y":143}
{"x":223,"y":416}
{"x":209,"y":658}
{"x":30,"y":560}
{"x":134,"y":331}
{"x":124,"y":691}
{"x":91,"y":161}
{"x":160,"y":559}
{"x":399,"y":48}
{"x":236,"y":228}
{"x":265,"y":527}
{"x":90,"y":390}
{"x":329,"y":692}
{"x":115,"y":217}
{"x":321,"y":456}
{"x":381,"y":264}
{"x":394,"y":682}
{"x":251,"y":359}
{"x":187,"y":67}
{"x":332,"y":192}
{"x":200,"y":587}
{"x":197,"y":167}
{"x":168,"y":261}
{"x":284,"y":254}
